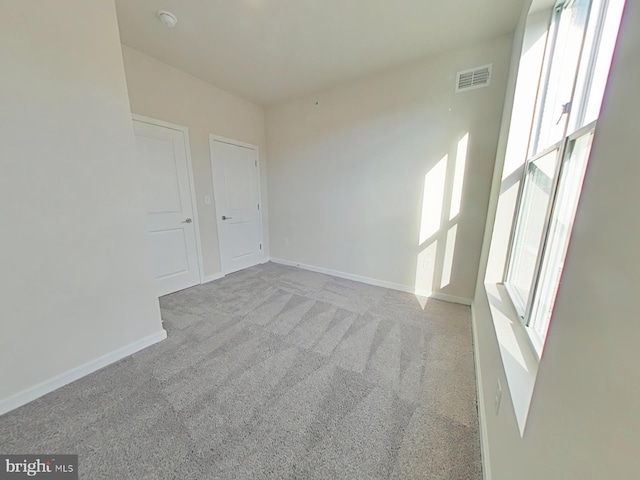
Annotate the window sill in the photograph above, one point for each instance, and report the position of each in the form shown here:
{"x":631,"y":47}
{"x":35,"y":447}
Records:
{"x":518,"y":356}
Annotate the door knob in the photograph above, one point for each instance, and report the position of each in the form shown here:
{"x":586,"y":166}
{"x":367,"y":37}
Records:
{"x":188,"y":220}
{"x":224,"y":217}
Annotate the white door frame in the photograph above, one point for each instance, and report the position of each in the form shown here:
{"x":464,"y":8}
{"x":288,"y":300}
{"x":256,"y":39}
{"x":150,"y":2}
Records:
{"x":192,"y":186}
{"x":238,"y":143}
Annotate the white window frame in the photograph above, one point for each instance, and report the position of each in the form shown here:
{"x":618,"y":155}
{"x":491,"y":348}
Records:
{"x":522,"y":306}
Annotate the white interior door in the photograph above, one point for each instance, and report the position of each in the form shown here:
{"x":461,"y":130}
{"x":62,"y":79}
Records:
{"x":162,"y":152}
{"x":235,"y":186}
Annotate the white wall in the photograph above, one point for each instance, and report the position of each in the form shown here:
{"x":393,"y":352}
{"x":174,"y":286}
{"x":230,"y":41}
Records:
{"x":160,"y":91}
{"x":347,"y":177}
{"x":583,"y":422}
{"x":75,"y":281}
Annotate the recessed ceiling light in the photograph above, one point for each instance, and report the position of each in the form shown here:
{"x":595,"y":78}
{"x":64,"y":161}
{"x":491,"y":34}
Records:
{"x":167,"y":18}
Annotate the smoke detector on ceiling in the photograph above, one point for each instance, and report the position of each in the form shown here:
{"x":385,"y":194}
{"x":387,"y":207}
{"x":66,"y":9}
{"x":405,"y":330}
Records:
{"x":168,"y":19}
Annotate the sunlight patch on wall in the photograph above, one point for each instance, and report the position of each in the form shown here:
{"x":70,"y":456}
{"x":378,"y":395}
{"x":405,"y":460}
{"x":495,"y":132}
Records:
{"x":458,"y":176}
{"x":432,"y":200}
{"x":450,"y":249}
{"x":425,"y":270}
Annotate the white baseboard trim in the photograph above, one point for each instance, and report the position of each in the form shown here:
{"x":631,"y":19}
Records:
{"x":450,"y":298}
{"x":219,"y":275}
{"x":482,"y":411}
{"x":348,"y":276}
{"x":211,"y":278}
{"x":30,"y":394}
{"x":372,"y":281}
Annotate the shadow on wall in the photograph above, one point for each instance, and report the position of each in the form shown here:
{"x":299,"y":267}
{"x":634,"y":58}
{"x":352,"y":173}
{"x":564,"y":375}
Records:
{"x":441,"y":204}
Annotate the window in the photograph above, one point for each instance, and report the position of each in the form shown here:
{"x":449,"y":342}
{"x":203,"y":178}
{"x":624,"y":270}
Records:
{"x":579,"y":49}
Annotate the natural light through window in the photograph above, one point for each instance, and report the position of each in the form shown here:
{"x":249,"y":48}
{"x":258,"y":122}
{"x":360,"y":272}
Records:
{"x":449,"y":251}
{"x":458,"y":176}
{"x":579,"y":48}
{"x":535,"y":203}
{"x":432,"y":199}
{"x":425,"y":270}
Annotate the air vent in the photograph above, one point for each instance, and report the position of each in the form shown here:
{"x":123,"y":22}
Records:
{"x":474,"y":78}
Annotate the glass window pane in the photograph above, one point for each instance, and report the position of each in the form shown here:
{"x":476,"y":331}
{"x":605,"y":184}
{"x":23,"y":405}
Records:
{"x":542,"y":87}
{"x":576,"y":122}
{"x":557,"y":91}
{"x":536,"y":197}
{"x":603,"y":62}
{"x":564,"y":212}
{"x":600,"y":41}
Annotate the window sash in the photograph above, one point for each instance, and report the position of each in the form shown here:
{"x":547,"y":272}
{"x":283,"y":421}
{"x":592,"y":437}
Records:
{"x":588,"y":64}
{"x":545,"y":73}
{"x":555,"y":99}
{"x":523,"y":306}
{"x":599,"y":30}
{"x":561,"y":203}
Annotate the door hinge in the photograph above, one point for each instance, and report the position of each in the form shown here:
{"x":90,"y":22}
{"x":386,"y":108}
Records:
{"x":256,"y":162}
{"x":258,"y":206}
{"x":260,"y":246}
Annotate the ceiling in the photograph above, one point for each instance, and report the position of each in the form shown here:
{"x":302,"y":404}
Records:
{"x":270,"y":50}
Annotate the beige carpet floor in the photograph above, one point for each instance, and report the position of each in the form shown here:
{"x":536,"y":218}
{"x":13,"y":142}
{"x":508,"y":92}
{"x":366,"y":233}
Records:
{"x":275,"y":372}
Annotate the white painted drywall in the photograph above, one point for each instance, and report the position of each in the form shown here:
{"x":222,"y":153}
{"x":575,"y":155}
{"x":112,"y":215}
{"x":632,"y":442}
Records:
{"x":160,"y":91}
{"x":347,"y":176}
{"x":583,"y":422}
{"x":75,"y":274}
{"x":269,"y":50}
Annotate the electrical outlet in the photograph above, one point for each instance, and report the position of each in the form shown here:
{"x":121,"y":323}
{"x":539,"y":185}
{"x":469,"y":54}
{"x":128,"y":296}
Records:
{"x":207,"y":200}
{"x":498,"y":396}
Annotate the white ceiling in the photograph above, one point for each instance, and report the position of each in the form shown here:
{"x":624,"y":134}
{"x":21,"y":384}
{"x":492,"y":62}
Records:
{"x":269,"y":50}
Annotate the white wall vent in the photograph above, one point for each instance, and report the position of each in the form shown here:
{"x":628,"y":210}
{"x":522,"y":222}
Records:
{"x":474,"y":78}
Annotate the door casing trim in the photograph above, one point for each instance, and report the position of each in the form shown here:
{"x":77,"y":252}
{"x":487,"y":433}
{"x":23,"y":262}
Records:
{"x":192,"y":185}
{"x":230,"y":141}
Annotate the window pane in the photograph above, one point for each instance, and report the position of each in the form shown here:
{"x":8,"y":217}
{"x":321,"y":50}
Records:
{"x":536,"y":197}
{"x":603,"y":63}
{"x":585,"y":73}
{"x":566,"y":204}
{"x":604,"y":23}
{"x":534,"y":146}
{"x":550,"y":120}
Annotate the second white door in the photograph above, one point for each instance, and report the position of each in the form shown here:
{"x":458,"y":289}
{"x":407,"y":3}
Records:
{"x":235,"y":184}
